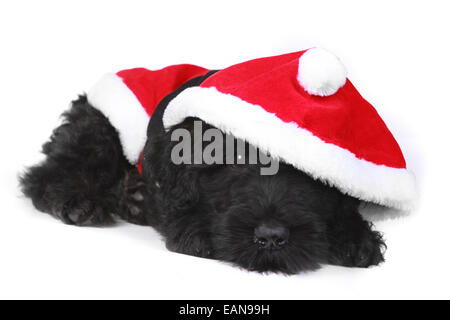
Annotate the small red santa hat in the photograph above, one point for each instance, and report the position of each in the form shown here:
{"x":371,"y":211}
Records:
{"x":129,"y":97}
{"x":301,"y":108}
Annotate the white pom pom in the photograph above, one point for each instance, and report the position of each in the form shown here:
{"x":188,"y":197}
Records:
{"x":320,"y":72}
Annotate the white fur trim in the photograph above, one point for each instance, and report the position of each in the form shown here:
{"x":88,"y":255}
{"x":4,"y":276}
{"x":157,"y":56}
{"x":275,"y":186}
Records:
{"x":320,"y":72}
{"x":294,"y":145}
{"x":119,"y":104}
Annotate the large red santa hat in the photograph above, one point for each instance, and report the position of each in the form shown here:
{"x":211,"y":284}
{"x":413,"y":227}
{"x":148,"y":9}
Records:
{"x":299,"y":107}
{"x":302,"y":109}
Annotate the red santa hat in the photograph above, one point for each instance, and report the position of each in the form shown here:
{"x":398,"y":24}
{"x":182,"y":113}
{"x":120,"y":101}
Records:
{"x":298,"y":107}
{"x":302,"y":109}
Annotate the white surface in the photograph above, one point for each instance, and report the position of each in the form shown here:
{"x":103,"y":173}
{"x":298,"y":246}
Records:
{"x":396,"y":53}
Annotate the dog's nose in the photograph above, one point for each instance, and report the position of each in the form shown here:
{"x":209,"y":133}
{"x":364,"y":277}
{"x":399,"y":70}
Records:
{"x":269,"y":235}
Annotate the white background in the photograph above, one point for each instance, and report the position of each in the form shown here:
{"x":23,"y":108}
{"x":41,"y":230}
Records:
{"x":397,"y":54}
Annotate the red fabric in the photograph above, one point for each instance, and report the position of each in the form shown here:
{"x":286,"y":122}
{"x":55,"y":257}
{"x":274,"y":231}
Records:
{"x":150,"y":87}
{"x":344,"y":119}
{"x":139,"y":164}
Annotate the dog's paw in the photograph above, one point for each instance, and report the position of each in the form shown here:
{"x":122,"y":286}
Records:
{"x":132,"y":199}
{"x":81,"y":211}
{"x":194,"y":245}
{"x":199,"y":248}
{"x":362,"y":251}
{"x":365,"y":253}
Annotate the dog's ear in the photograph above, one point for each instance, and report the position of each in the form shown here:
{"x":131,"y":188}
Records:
{"x":180,"y":187}
{"x":176,"y":185}
{"x":349,"y":204}
{"x":345,"y":212}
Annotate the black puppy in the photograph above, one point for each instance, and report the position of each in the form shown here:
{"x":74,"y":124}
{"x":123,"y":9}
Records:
{"x":286,"y":222}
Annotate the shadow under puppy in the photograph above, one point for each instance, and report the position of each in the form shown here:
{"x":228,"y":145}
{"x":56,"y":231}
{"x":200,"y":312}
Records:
{"x":286,"y":222}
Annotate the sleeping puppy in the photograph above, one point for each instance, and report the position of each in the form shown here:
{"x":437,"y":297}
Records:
{"x":286,"y":222}
{"x":117,"y":156}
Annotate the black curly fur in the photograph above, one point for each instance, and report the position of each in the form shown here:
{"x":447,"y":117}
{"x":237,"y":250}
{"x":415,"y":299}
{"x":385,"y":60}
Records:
{"x":203,"y":210}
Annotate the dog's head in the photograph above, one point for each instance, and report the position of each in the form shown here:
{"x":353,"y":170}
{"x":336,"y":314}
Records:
{"x":232,"y":212}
